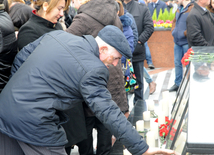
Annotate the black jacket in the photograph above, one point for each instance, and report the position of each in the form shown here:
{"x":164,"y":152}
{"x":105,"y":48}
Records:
{"x":20,"y":14}
{"x":200,"y":27}
{"x":145,"y":27}
{"x":34,"y":28}
{"x":8,"y":47}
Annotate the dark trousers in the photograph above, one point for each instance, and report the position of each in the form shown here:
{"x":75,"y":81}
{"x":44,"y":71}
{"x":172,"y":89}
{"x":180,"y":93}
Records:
{"x":139,"y":70}
{"x":103,"y":138}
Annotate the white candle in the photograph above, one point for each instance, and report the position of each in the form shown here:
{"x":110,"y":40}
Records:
{"x":181,"y":138}
{"x":165,"y":94}
{"x":165,"y":106}
{"x":154,"y":128}
{"x":180,"y":148}
{"x":161,"y":118}
{"x":146,"y":115}
{"x":126,"y":152}
{"x":150,"y":138}
{"x":150,"y":104}
{"x":140,"y":125}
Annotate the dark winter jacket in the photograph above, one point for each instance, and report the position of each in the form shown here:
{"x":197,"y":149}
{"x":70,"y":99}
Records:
{"x":200,"y":26}
{"x":54,"y":78}
{"x":179,"y":25}
{"x":8,"y":46}
{"x":20,"y":14}
{"x":133,"y":26}
{"x":144,"y":24}
{"x":127,"y":31}
{"x":93,"y":16}
{"x":34,"y":28}
{"x":160,"y":5}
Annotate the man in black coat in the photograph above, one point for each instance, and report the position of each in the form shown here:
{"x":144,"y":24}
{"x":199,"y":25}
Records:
{"x":200,"y":25}
{"x":145,"y":28}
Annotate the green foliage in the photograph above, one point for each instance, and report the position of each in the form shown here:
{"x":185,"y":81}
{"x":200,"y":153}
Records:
{"x":165,"y":15}
{"x":160,"y":16}
{"x":154,"y":16}
{"x":171,"y":15}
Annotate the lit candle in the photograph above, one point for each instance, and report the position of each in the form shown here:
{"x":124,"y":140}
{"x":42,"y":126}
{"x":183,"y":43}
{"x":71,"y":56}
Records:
{"x":150,"y":104}
{"x":161,"y":118}
{"x":140,"y":125}
{"x":154,"y":128}
{"x":126,"y":152}
{"x":146,"y":115}
{"x":165,"y":106}
{"x":165,"y":94}
{"x":150,"y":138}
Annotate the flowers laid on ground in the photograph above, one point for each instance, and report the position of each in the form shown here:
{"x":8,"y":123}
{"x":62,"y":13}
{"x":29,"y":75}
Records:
{"x":164,"y":19}
{"x":164,"y":129}
{"x":198,"y":56}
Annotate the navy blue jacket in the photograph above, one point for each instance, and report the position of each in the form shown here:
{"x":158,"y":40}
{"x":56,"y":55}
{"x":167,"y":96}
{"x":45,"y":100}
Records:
{"x":160,"y":5}
{"x":61,"y":71}
{"x":180,"y":27}
{"x":127,"y":31}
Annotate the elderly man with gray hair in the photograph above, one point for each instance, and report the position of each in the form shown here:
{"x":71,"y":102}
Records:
{"x":60,"y":70}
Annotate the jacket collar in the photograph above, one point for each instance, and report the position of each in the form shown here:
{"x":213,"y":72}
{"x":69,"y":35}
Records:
{"x":39,"y":19}
{"x":186,"y":8}
{"x":2,"y":7}
{"x":201,"y":11}
{"x":92,"y":42}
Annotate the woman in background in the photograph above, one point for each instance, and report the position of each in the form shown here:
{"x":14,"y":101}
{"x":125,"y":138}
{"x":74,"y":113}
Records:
{"x":43,"y":20}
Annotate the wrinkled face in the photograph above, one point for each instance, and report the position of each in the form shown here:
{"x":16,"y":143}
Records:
{"x":77,"y":3}
{"x":109,"y":56}
{"x":56,"y":12}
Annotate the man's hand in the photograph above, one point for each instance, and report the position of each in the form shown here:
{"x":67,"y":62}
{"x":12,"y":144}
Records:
{"x":152,"y":151}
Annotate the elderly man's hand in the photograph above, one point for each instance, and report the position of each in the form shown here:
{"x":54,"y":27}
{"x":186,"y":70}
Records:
{"x":156,"y":151}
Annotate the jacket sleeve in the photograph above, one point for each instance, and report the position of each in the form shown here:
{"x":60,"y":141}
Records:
{"x":77,"y":27}
{"x":97,"y":97}
{"x":23,"y":55}
{"x":148,"y":27}
{"x":194,"y":34}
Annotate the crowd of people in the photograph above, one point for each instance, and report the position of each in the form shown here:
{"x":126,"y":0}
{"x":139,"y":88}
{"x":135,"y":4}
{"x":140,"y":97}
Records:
{"x":62,"y":68}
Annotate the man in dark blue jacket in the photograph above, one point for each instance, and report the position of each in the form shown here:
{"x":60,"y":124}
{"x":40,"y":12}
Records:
{"x":179,"y":31}
{"x":54,"y":73}
{"x":156,"y":4}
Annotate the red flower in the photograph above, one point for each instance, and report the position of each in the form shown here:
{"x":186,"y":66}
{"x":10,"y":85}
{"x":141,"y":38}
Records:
{"x":163,"y":126}
{"x":156,"y":120}
{"x":185,"y":59}
{"x":163,"y":132}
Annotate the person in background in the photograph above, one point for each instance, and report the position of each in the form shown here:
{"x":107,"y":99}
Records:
{"x":145,"y":29}
{"x":156,"y":4}
{"x":210,"y":7}
{"x":89,"y":21}
{"x":44,"y":19}
{"x":200,"y":25}
{"x":8,"y":44}
{"x":20,"y":13}
{"x":179,"y":31}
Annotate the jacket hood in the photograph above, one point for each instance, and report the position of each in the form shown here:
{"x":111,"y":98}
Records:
{"x":125,"y":20}
{"x":101,"y":10}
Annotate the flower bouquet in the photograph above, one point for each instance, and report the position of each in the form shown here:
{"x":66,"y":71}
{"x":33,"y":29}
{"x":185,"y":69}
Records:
{"x":198,"y":56}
